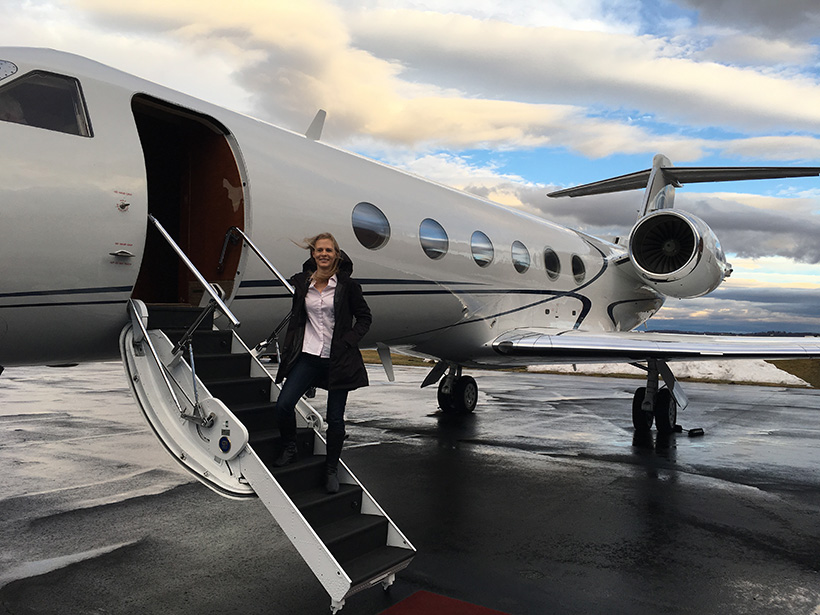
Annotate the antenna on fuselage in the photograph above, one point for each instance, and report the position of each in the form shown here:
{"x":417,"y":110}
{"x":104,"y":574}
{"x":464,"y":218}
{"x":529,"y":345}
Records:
{"x":314,"y":131}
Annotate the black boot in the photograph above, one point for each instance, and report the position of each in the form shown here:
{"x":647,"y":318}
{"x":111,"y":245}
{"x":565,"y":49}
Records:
{"x":287,"y":431}
{"x":335,"y":441}
{"x":288,"y":455}
{"x":332,"y":481}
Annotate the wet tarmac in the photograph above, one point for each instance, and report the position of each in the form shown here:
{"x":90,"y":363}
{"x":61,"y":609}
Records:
{"x":540,"y":502}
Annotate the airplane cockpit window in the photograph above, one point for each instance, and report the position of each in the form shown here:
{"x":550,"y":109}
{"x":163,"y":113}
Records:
{"x":552,"y":263}
{"x":520,"y":257}
{"x":371,"y":226}
{"x":433,"y":239}
{"x":579,"y":270}
{"x":482,"y":249}
{"x":45,"y":100}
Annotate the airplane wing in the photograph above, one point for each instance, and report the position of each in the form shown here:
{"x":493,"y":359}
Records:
{"x":627,"y":346}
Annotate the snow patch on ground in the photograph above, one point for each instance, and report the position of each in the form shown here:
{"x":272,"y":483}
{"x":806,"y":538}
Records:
{"x":753,"y":371}
{"x":44,"y":566}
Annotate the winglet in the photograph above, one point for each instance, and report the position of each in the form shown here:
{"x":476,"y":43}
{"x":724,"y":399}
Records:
{"x":314,"y":131}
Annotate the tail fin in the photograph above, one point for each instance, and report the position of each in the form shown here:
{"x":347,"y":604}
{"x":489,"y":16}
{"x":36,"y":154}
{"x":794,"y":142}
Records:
{"x":660,"y":181}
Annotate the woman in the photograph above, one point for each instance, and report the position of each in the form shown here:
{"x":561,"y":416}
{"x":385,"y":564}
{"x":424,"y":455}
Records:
{"x":321,"y":346}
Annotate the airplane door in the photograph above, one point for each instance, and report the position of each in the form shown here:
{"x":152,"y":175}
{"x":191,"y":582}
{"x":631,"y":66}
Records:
{"x":72,"y":217}
{"x":197,"y":192}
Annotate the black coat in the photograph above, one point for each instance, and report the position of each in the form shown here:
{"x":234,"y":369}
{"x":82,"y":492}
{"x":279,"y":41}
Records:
{"x":347,"y":369}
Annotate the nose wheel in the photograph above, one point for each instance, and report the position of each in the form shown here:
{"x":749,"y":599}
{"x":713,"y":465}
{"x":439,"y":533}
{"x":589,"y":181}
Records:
{"x":457,"y":395}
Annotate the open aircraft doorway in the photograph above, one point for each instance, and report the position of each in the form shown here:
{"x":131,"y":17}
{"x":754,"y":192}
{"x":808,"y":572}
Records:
{"x":196,"y":190}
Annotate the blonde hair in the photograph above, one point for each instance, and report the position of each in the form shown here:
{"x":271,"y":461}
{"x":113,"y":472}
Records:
{"x":309,"y":243}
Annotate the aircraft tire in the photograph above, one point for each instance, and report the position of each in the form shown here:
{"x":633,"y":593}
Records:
{"x":462,"y":398}
{"x":445,"y":400}
{"x":641,"y":421}
{"x":465,"y":395}
{"x":666,"y":412}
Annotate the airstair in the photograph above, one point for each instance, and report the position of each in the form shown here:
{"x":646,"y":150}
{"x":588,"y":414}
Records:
{"x":210,"y":402}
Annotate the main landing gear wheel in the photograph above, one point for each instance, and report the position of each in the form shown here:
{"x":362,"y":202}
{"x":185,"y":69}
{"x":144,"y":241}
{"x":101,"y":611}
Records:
{"x":642,"y":421}
{"x":461,"y":399}
{"x":666,"y":412}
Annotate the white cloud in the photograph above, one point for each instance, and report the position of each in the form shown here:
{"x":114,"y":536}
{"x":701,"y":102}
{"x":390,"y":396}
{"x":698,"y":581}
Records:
{"x":789,"y":147}
{"x":283,"y":60}
{"x":558,"y":65}
{"x":592,"y":15}
{"x":205,"y":71}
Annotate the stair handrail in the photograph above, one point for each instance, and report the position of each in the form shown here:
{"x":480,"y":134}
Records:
{"x":215,"y":298}
{"x":167,"y":376}
{"x":258,"y":253}
{"x":273,"y":337}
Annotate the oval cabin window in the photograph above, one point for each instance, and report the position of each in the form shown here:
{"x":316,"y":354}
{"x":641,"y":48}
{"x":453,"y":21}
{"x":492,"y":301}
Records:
{"x":433,"y":239}
{"x":552,"y":263}
{"x":579,"y":270}
{"x":482,"y":249}
{"x":370,"y":226}
{"x":520,"y":257}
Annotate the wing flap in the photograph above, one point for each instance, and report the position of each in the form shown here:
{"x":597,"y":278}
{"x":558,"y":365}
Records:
{"x":581,"y":347}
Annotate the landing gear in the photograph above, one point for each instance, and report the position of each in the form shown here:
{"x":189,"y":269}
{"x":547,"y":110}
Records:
{"x":666,"y":412}
{"x":462,"y":397}
{"x":661,"y":406}
{"x":642,"y":421}
{"x":457,"y":394}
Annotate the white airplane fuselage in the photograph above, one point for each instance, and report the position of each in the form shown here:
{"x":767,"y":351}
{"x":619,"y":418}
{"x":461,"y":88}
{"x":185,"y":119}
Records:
{"x":76,"y":244}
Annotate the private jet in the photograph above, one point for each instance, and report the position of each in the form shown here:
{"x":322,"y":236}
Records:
{"x":141,"y":223}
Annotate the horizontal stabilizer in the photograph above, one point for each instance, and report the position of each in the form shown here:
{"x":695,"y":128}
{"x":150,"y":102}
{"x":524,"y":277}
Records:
{"x":677,"y":176}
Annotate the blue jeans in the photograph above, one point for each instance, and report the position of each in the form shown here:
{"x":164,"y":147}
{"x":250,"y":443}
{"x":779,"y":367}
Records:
{"x":306,"y":373}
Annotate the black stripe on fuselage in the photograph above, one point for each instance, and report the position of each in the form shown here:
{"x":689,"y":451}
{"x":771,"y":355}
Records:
{"x":50,"y":298}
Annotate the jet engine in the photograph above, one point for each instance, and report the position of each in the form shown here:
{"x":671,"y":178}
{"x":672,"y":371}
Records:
{"x":677,"y":254}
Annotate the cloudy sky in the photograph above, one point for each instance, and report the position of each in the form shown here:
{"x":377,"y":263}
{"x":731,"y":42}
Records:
{"x":512,"y":99}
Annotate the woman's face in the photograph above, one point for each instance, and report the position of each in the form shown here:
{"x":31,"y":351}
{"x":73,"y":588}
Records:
{"x":324,"y":254}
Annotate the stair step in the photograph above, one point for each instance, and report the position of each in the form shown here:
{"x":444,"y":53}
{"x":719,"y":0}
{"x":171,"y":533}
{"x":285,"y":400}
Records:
{"x":354,"y":536}
{"x":211,"y":367}
{"x":205,"y":342}
{"x":177,"y":317}
{"x":246,"y":390}
{"x":268,"y":445}
{"x":321,"y":508}
{"x":257,"y":417}
{"x":374,"y":563}
{"x":306,"y":473}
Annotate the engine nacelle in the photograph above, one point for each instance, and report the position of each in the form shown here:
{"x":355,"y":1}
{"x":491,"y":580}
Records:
{"x":677,"y":254}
